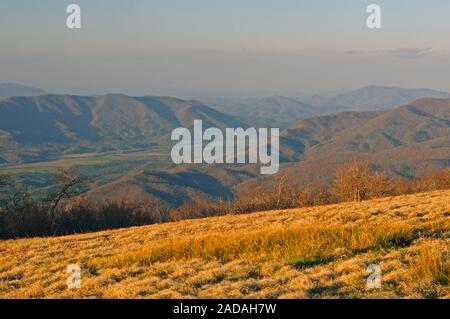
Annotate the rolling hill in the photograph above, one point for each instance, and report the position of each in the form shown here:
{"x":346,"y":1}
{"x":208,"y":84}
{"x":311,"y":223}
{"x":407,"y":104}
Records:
{"x":176,"y":185}
{"x":319,"y":252}
{"x":374,"y":132}
{"x":45,"y":127}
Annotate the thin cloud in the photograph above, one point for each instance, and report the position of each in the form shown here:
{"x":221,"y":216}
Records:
{"x":409,"y":53}
{"x":402,"y":53}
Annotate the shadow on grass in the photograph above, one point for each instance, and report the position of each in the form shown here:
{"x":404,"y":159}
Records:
{"x":303,"y":263}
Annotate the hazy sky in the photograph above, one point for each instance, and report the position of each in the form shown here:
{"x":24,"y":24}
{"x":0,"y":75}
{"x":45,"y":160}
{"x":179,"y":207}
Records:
{"x":194,"y":48}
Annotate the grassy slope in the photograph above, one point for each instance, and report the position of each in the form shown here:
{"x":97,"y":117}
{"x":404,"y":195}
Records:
{"x":301,"y":253}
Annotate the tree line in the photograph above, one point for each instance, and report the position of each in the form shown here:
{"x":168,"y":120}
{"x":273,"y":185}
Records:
{"x":62,"y":210}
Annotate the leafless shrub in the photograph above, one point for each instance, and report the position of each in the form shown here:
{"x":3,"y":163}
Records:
{"x":357,"y":182}
{"x":350,"y":181}
{"x":434,"y":181}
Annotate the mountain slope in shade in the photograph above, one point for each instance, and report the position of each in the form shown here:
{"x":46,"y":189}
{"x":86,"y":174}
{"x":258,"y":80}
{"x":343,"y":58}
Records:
{"x":179,"y":184}
{"x":407,"y":141}
{"x":55,"y":124}
{"x":13,"y":89}
{"x":414,"y":123}
{"x":304,"y":134}
{"x":274,"y":111}
{"x":374,"y":98}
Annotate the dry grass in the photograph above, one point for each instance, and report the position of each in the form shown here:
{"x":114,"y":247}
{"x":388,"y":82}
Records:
{"x":431,"y":263}
{"x":319,"y":252}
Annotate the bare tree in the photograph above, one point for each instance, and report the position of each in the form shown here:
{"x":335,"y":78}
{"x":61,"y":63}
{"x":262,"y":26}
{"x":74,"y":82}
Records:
{"x":68,"y":184}
{"x":280,"y":189}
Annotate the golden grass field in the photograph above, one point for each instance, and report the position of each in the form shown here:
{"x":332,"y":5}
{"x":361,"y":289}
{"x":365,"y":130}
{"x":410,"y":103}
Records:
{"x":319,"y":252}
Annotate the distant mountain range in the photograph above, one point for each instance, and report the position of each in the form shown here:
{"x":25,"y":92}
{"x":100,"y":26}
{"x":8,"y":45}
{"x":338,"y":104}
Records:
{"x":280,"y":111}
{"x":374,"y":98}
{"x":13,"y":89}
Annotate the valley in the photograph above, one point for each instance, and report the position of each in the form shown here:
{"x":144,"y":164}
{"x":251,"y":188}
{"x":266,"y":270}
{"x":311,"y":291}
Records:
{"x":120,"y":141}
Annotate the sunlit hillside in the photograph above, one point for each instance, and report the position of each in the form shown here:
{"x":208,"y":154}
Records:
{"x":302,"y":253}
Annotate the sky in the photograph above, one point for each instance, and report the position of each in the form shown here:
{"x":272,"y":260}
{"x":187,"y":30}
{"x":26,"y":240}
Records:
{"x":211,"y":48}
